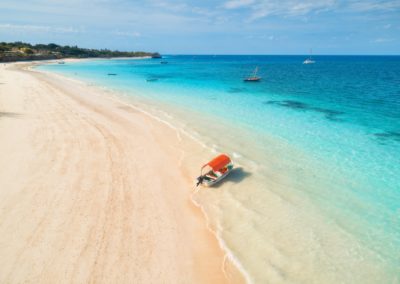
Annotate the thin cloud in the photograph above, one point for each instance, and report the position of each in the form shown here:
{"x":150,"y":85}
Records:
{"x":290,"y":8}
{"x":127,"y":34}
{"x":38,"y":28}
{"x":383,"y":40}
{"x":234,"y":4}
{"x":175,"y":7}
{"x":366,"y":6}
{"x":263,"y":8}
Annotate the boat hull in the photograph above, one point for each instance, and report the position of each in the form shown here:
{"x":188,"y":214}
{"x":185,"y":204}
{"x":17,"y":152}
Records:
{"x":209,"y":183}
{"x":252,"y":80}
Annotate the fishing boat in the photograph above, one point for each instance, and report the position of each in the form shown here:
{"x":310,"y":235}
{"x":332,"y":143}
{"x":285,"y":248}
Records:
{"x":254,"y":77}
{"x":164,"y":62}
{"x":215,"y":170}
{"x":309,"y":59}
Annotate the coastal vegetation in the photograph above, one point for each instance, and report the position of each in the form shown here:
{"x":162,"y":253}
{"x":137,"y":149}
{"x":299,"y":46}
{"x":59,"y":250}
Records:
{"x":19,"y":51}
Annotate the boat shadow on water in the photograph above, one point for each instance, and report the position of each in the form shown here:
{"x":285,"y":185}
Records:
{"x":237,"y":175}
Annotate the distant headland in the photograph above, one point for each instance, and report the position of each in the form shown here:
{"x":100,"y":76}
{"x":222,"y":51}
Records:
{"x":20,"y":51}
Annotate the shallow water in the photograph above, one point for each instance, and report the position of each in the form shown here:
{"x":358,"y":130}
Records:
{"x":316,"y":196}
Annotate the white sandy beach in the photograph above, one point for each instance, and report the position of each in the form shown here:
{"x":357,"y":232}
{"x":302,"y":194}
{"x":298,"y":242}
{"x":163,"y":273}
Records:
{"x":91,"y":191}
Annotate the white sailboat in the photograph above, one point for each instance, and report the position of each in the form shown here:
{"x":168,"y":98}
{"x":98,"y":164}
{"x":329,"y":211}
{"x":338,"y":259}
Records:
{"x":309,"y":59}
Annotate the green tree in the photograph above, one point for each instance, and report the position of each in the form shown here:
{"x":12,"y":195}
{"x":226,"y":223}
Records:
{"x":27,"y":50}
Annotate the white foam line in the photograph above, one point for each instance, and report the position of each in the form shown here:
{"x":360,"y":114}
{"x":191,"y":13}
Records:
{"x":228,"y":253}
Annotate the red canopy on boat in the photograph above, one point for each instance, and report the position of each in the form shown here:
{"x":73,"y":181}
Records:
{"x":218,"y":162}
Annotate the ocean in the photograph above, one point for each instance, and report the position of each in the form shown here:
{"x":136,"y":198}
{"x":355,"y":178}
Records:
{"x":316,"y":195}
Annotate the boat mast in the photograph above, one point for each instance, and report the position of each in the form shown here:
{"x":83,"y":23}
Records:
{"x":255,"y":72}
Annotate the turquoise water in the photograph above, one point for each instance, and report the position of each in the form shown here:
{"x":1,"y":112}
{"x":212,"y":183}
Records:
{"x":340,"y":116}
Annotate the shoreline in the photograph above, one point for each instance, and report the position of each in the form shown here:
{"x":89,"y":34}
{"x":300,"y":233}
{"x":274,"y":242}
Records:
{"x":70,"y":59}
{"x":260,"y":218}
{"x":231,"y":264}
{"x":84,"y":107}
{"x":257,"y":234}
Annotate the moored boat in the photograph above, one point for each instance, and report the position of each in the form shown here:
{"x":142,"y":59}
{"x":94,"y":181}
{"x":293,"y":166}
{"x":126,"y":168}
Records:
{"x":254,"y":77}
{"x":309,"y":60}
{"x":215,"y":170}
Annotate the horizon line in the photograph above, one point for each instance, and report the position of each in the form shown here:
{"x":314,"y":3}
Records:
{"x":266,"y":54}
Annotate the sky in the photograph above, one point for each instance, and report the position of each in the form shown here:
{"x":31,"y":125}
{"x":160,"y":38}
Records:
{"x":208,"y":27}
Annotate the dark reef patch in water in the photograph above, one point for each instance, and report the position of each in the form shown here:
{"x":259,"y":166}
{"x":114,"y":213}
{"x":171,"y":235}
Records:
{"x":296,"y":105}
{"x":160,"y":76}
{"x":151,"y":79}
{"x":329,"y":113}
{"x":236,"y":90}
{"x":388,"y":135}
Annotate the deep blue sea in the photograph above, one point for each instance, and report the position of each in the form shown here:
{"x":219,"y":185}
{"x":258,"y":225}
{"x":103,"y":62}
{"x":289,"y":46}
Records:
{"x":333,"y":129}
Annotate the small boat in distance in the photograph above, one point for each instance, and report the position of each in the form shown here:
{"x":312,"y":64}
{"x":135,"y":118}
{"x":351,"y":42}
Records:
{"x":309,"y":59}
{"x":112,"y":74}
{"x":164,"y":62}
{"x":215,"y":170}
{"x":61,"y":62}
{"x":254,"y":77}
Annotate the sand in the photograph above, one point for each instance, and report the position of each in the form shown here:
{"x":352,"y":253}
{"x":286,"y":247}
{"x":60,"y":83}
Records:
{"x":91,"y":191}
